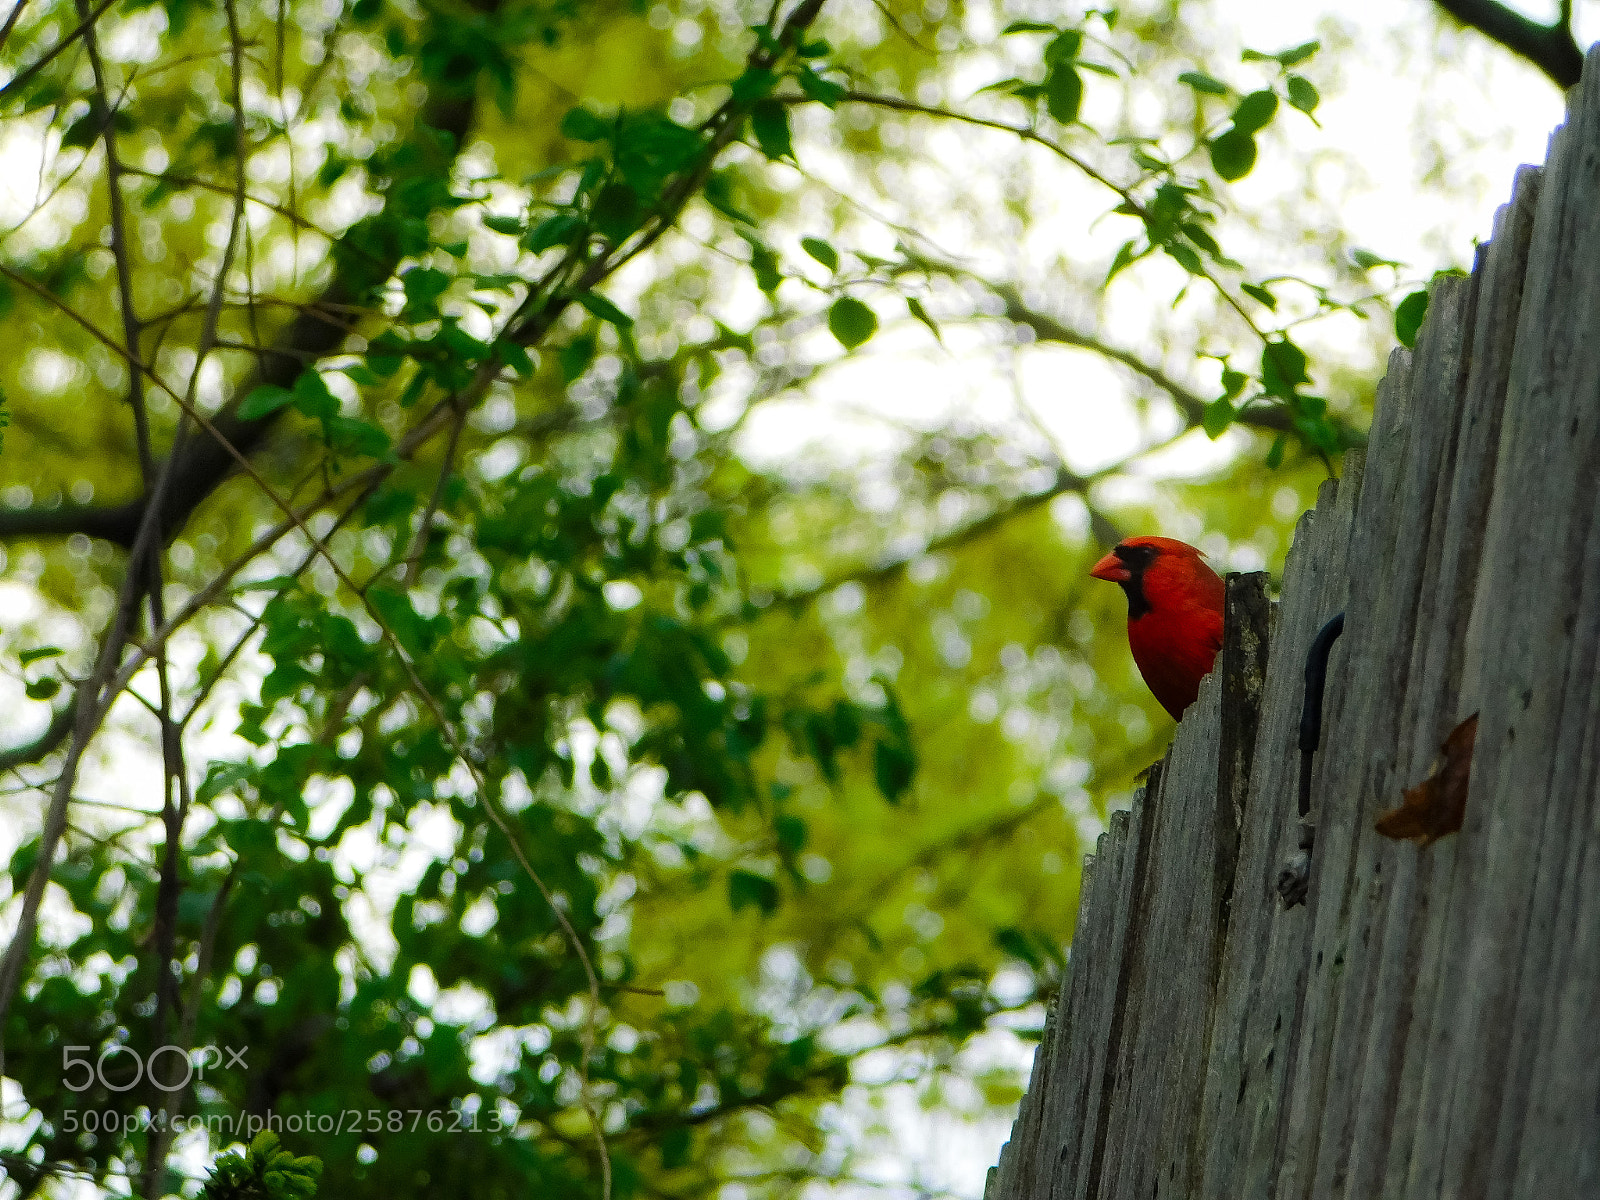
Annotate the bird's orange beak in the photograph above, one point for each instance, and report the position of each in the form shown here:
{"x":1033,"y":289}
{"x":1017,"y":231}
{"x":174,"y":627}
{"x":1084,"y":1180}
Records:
{"x":1112,"y":568}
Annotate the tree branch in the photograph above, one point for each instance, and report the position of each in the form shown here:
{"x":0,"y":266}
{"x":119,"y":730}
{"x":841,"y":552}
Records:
{"x":21,"y":79}
{"x":1046,"y":328}
{"x":889,"y":569}
{"x":1551,"y":48}
{"x":177,"y":795}
{"x":199,"y":464}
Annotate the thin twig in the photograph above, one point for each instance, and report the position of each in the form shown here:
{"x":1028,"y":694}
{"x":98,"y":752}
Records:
{"x":11,"y":22}
{"x":164,"y":934}
{"x":272,"y":206}
{"x":419,"y":545}
{"x":177,"y":810}
{"x":22,"y":78}
{"x":1029,"y":134}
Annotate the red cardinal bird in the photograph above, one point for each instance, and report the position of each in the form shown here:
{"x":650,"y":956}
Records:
{"x":1174,"y":614}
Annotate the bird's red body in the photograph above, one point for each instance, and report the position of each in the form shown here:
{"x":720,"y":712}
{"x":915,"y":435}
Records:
{"x":1174,"y":614}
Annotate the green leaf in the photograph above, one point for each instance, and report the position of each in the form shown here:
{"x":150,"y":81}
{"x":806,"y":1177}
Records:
{"x":496,"y":281}
{"x":1255,"y":111}
{"x":769,"y":121}
{"x":755,"y":82}
{"x":1283,"y":368}
{"x":675,"y":1143}
{"x":1367,"y":260}
{"x":746,"y":889}
{"x":893,"y":766}
{"x":1018,"y":944}
{"x":1319,"y":433}
{"x":83,"y":132}
{"x":1275,"y":455}
{"x":604,"y":309}
{"x":312,"y":397}
{"x":921,"y":314}
{"x":765,"y":39}
{"x":1127,"y":254}
{"x":381,"y":365}
{"x":354,"y":435}
{"x":400,"y":619}
{"x":719,"y":193}
{"x":764,"y":264}
{"x":511,"y":226}
{"x":1185,"y":257}
{"x":851,"y":321}
{"x":386,"y":353}
{"x":333,"y":168}
{"x":42,"y":689}
{"x":821,"y":251}
{"x":846,"y":724}
{"x":1201,"y":237}
{"x":413,"y":390}
{"x":1219,"y":414}
{"x":38,"y":652}
{"x":276,"y":583}
{"x":268,"y":398}
{"x":1302,"y":94}
{"x":791,"y":831}
{"x":1064,"y":47}
{"x":1259,"y":293}
{"x":553,"y":231}
{"x":1063,"y":92}
{"x":223,"y":777}
{"x":581,"y":125}
{"x":616,"y":211}
{"x":361,"y":373}
{"x":1298,"y":54}
{"x":576,"y":356}
{"x":1201,"y":82}
{"x":423,"y":286}
{"x":824,"y":91}
{"x":1028,"y":27}
{"x":1233,"y":153}
{"x":514,"y":356}
{"x":1408,"y":316}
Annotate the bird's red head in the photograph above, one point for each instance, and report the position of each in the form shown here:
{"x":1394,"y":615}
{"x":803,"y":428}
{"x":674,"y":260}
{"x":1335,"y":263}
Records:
{"x":1174,"y":613}
{"x":1132,"y":557}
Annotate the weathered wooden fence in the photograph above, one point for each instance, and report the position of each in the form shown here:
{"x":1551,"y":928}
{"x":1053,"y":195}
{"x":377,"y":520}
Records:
{"x":1428,"y":1023}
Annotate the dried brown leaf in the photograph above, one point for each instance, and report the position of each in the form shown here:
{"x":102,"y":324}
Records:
{"x":1436,"y":806}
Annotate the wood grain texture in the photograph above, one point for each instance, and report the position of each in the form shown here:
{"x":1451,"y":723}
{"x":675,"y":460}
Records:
{"x":1428,"y":1024}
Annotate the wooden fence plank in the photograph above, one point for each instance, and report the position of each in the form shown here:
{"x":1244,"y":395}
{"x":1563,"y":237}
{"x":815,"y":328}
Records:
{"x":1263,"y":964}
{"x":1418,"y":1154}
{"x":1536,"y":678}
